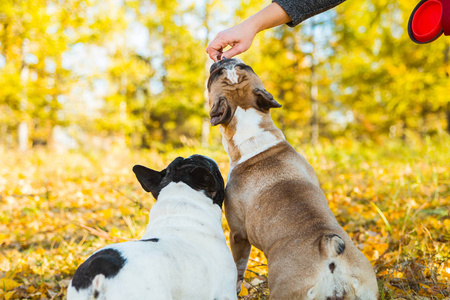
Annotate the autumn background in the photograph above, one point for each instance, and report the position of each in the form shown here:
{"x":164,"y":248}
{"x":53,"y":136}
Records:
{"x":89,"y":88}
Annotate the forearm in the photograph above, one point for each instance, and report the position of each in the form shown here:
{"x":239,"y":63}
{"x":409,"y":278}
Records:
{"x":300,"y":10}
{"x":271,"y":16}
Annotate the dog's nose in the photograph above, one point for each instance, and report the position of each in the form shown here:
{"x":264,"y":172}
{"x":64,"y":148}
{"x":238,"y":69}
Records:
{"x":227,"y":63}
{"x":335,"y":298}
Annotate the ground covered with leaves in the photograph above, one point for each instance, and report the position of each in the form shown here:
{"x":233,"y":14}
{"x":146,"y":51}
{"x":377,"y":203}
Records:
{"x":57,"y":208}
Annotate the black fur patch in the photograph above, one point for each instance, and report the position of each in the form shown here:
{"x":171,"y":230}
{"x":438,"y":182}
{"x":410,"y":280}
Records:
{"x":245,"y":67}
{"x":335,"y":298}
{"x":187,"y":171}
{"x":151,"y":240}
{"x":214,"y":77}
{"x":332,"y":266}
{"x":107,"y":262}
{"x":341,"y":248}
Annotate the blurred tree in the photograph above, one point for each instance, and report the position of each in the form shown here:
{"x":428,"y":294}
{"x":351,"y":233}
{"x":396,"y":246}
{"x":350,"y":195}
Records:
{"x":135,"y":70}
{"x":35,"y":35}
{"x":293,"y":63}
{"x":391,"y":84}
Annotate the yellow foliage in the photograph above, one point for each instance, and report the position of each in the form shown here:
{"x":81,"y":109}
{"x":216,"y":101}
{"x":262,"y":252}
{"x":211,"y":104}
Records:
{"x":244,"y":291}
{"x":9,"y":295}
{"x":69,"y":212}
{"x":7,"y":284}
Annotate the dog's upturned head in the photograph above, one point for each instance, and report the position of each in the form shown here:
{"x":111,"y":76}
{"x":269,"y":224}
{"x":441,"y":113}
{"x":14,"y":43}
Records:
{"x":233,"y":84}
{"x":199,"y":172}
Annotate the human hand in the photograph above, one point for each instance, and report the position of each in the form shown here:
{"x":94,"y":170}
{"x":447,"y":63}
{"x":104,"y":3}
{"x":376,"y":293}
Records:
{"x":239,"y":37}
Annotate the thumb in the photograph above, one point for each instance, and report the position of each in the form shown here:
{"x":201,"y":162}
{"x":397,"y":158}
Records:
{"x":238,"y":49}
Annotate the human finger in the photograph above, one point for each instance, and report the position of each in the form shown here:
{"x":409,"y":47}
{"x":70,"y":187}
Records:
{"x":236,"y":50}
{"x":214,"y":54}
{"x":216,"y":46}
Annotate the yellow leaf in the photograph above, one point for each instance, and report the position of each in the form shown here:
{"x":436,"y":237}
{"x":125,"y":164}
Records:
{"x":244,"y":291}
{"x":381,"y":247}
{"x":7,"y":284}
{"x":447,"y":223}
{"x":8,"y":295}
{"x":398,"y":274}
{"x":40,"y":250}
{"x":114,"y":232}
{"x":5,"y":264}
{"x":107,"y":213}
{"x":124,"y":210}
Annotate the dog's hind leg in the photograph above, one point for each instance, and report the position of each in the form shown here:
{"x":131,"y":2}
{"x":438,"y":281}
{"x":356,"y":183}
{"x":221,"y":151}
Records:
{"x":240,"y":247}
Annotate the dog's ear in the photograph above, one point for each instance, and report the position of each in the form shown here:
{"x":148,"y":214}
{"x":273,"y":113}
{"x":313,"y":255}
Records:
{"x":265,"y":100}
{"x":205,"y":180}
{"x":149,"y":179}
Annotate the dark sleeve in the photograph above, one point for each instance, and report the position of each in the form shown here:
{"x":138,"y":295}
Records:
{"x":300,"y":10}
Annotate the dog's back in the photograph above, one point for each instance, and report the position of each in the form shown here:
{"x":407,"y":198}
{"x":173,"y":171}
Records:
{"x":160,"y":269}
{"x":322,"y":262}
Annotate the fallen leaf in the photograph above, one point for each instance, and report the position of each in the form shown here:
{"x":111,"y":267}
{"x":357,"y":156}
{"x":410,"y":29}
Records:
{"x":8,"y":284}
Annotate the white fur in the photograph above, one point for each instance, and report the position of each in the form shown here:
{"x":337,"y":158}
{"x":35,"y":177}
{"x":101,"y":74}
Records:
{"x":225,"y":146}
{"x":224,"y":141}
{"x":231,"y":71}
{"x":338,"y":282}
{"x":190,"y":261}
{"x":247,"y":124}
{"x":232,"y":75}
{"x":250,"y":137}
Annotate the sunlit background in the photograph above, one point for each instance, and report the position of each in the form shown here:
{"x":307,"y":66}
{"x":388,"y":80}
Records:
{"x":88,"y":88}
{"x":134,"y":72}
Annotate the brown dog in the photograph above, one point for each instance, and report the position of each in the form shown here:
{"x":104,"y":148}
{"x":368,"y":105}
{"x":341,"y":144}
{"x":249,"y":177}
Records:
{"x":273,"y":200}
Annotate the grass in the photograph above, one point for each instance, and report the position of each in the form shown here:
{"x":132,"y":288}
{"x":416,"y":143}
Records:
{"x":392,"y":199}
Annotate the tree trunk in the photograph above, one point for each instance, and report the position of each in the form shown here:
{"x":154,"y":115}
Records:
{"x":448,"y":117}
{"x":205,"y":120}
{"x":446,"y":57}
{"x":314,"y":108}
{"x":23,"y":136}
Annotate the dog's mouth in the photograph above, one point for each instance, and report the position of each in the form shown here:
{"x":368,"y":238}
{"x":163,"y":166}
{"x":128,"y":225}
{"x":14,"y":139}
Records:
{"x":219,"y":113}
{"x":216,"y":118}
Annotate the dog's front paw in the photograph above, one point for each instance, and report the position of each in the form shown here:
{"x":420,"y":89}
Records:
{"x":238,"y":285}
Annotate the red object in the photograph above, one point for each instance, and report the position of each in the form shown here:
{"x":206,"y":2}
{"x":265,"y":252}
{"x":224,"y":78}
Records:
{"x":427,"y":21}
{"x":446,"y":16}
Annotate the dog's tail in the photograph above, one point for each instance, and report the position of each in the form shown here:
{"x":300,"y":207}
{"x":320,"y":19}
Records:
{"x":97,"y":286}
{"x":94,"y":292}
{"x":331,"y":245}
{"x":346,"y":274}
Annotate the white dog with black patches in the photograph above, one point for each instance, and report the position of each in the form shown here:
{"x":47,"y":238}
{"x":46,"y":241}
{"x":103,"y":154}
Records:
{"x":183,"y":253}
